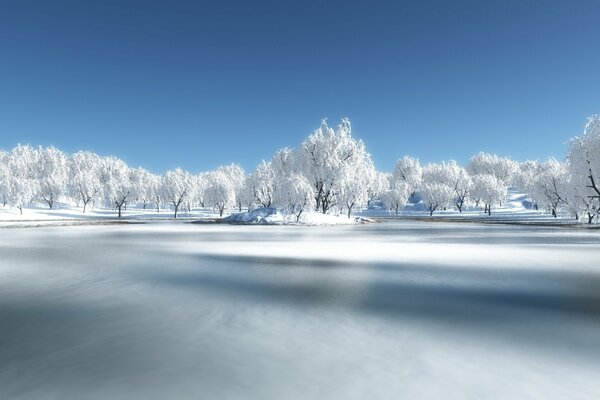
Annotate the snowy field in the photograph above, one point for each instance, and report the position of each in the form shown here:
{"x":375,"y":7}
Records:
{"x":397,"y":310}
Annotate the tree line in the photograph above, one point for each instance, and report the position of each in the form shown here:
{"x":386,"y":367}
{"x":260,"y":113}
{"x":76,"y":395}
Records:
{"x":329,"y":172}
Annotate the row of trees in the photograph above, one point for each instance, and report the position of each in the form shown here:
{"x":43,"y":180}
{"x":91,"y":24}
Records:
{"x":329,"y":172}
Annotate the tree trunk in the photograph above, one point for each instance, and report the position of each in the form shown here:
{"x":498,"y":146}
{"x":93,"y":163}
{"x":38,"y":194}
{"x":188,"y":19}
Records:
{"x":590,"y":218}
{"x":554,"y":212}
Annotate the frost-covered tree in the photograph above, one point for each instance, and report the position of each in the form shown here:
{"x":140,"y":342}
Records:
{"x":435,"y":195}
{"x":525,"y":177}
{"x":261,"y":184}
{"x":220,"y":191}
{"x":396,"y":198}
{"x":407,"y":171}
{"x":142,"y":186}
{"x":325,"y":158}
{"x":201,"y":182}
{"x":84,"y":176}
{"x":460,"y":181}
{"x":285,"y":163}
{"x":117,"y":185}
{"x":584,"y":159}
{"x":377,"y":187}
{"x":550,"y":185}
{"x":294,"y":193}
{"x":20,"y":174}
{"x":490,"y":190}
{"x":436,"y":177}
{"x":502,"y":168}
{"x":353,"y":186}
{"x":52,"y":170}
{"x":176,"y":186}
{"x":237,"y":177}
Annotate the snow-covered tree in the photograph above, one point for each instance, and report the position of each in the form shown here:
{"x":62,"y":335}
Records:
{"x":396,"y":198}
{"x":200,"y":182}
{"x":52,"y":174}
{"x":525,"y":177}
{"x":435,"y":195}
{"x":408,"y":171}
{"x":142,"y":186}
{"x":220,"y":191}
{"x":584,"y":162}
{"x":325,"y":158}
{"x":116,"y":180}
{"x":502,"y":168}
{"x":460,"y":180}
{"x":436,"y":177}
{"x":176,"y":186}
{"x":549,"y":185}
{"x":21,"y":176}
{"x":261,"y":184}
{"x":353,"y":186}
{"x":490,"y":190}
{"x":237,"y":177}
{"x":377,"y":187}
{"x":294,"y":193}
{"x":84,"y":176}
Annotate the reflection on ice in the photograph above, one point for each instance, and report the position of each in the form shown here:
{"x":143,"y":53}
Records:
{"x":394,"y":310}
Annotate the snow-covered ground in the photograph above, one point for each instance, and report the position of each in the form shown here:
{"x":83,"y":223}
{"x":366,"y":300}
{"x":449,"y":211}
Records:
{"x":401,"y":309}
{"x":274,"y":216}
{"x":10,"y":216}
{"x":516,"y":209}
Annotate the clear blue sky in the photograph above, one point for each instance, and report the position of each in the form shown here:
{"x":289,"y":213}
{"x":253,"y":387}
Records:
{"x":197,"y":84}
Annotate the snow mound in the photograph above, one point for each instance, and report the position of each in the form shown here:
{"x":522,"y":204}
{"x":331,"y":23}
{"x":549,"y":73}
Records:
{"x":275,"y":216}
{"x":265,"y":215}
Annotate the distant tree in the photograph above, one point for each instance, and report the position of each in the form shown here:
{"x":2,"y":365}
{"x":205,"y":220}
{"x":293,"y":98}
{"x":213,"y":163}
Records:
{"x":459,"y":179}
{"x":503,"y":168}
{"x":584,"y":165}
{"x":490,"y":190}
{"x":220,"y":192}
{"x":325,"y":158}
{"x":408,"y":173}
{"x":378,"y":185}
{"x":261,"y":184}
{"x":525,"y":178}
{"x":437,"y":187}
{"x":550,"y":185}
{"x":20,"y":176}
{"x":52,"y":174}
{"x":84,"y":173}
{"x":116,"y":181}
{"x":176,"y":187}
{"x":294,"y":193}
{"x":237,"y":177}
{"x":396,"y":198}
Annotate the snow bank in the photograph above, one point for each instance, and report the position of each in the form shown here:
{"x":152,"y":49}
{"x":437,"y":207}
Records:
{"x":275,"y":216}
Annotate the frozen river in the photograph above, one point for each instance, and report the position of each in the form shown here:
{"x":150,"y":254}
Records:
{"x":383,"y":311}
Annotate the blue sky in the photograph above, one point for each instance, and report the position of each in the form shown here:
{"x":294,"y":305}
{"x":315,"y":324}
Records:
{"x":197,"y":84}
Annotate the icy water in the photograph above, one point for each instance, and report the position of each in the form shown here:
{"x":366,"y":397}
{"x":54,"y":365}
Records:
{"x":383,"y":311}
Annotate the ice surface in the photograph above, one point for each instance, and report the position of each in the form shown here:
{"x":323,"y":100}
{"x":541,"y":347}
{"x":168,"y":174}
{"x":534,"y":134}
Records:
{"x":386,"y":311}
